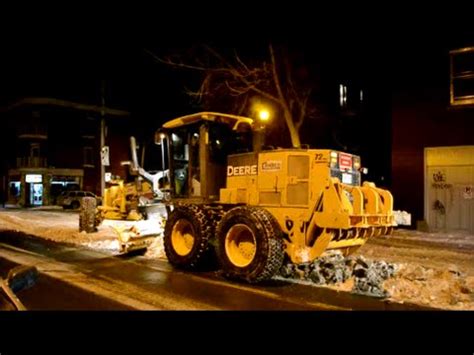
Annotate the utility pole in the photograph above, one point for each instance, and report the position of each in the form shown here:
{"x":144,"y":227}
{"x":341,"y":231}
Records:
{"x":102,"y":139}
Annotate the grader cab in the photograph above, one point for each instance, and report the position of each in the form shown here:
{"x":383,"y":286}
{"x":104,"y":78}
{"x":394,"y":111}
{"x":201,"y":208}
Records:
{"x":254,"y":209}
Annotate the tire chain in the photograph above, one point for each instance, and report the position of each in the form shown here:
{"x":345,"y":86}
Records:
{"x":200,"y":214}
{"x":275,"y":244}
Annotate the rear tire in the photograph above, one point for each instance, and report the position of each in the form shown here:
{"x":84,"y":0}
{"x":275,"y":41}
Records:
{"x":187,"y":234}
{"x":250,"y":244}
{"x":87,"y":215}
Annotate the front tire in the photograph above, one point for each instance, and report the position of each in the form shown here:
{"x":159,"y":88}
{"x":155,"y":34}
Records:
{"x":187,"y":234}
{"x":250,"y":244}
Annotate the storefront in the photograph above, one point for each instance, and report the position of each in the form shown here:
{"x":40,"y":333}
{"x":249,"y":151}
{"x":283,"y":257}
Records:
{"x":41,"y":187}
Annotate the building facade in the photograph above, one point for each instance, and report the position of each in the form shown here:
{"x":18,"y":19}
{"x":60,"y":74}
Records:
{"x":52,"y":145}
{"x":433,"y":149}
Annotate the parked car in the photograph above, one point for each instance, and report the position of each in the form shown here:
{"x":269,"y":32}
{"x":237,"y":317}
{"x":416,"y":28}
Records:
{"x":72,"y":199}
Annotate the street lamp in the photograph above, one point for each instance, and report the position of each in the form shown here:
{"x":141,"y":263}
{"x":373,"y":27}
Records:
{"x":264,"y":115}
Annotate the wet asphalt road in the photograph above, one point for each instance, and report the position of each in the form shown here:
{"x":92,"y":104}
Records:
{"x":155,"y":285}
{"x":48,"y":294}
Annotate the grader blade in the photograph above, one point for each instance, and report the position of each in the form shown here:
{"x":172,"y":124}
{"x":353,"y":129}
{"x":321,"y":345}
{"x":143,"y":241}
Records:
{"x":135,"y":236}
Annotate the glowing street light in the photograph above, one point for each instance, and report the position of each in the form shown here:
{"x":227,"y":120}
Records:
{"x":264,"y":115}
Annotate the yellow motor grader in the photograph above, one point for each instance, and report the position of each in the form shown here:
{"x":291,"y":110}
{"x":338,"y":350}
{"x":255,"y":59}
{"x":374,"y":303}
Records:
{"x":126,"y":202}
{"x":252,"y":208}
{"x":121,"y":201}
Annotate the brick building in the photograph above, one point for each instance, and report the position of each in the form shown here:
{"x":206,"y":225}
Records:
{"x":50,"y":145}
{"x":433,"y":146}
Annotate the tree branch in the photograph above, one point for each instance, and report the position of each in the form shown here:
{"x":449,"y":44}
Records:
{"x":303,"y":108}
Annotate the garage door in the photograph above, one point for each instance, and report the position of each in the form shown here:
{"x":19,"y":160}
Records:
{"x":449,"y":188}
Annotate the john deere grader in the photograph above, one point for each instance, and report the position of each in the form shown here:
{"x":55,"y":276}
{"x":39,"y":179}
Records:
{"x":255,"y":209}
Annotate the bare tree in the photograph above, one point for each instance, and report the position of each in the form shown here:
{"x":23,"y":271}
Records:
{"x":275,"y":79}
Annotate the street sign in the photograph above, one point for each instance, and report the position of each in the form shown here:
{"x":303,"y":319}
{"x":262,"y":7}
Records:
{"x":104,"y":155}
{"x":33,"y":178}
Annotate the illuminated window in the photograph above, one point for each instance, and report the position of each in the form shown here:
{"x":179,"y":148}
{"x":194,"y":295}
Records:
{"x":361,"y":95}
{"x":462,"y":76}
{"x":342,"y":95}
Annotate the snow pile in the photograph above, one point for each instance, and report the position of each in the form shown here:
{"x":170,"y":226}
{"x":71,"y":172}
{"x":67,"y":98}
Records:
{"x":61,"y":227}
{"x":359,"y":275}
{"x":402,"y":218}
{"x":369,"y":277}
{"x":448,"y":288}
{"x":156,"y":250}
{"x":105,"y":245}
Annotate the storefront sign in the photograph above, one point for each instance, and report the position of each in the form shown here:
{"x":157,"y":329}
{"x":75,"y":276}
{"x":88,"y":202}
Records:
{"x":33,"y":178}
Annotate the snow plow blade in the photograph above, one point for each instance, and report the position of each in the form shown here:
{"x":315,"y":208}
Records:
{"x":353,"y":214}
{"x":131,"y":240}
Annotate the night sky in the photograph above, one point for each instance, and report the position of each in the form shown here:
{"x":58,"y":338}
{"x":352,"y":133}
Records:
{"x":71,"y":64}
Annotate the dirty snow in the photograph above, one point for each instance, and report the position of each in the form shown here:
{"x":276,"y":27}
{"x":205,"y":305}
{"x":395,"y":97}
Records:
{"x":434,"y":269}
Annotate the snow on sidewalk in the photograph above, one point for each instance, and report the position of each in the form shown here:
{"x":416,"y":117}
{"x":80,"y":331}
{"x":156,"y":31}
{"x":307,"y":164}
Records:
{"x":63,"y":227}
